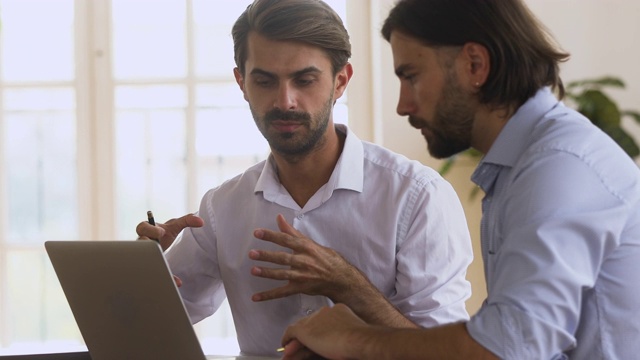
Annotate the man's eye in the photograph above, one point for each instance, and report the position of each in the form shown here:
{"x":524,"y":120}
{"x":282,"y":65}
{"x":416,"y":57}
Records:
{"x":304,"y":81}
{"x":409,"y":77}
{"x":263,"y":82}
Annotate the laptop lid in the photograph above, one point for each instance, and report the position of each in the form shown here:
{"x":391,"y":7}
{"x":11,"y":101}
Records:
{"x":124,"y":300}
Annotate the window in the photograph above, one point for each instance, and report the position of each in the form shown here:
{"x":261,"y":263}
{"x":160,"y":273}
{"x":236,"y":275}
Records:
{"x":109,"y":109}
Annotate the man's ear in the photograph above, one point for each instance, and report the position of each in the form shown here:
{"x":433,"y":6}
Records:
{"x":240,"y":81}
{"x":342,"y":80}
{"x":477,"y":63}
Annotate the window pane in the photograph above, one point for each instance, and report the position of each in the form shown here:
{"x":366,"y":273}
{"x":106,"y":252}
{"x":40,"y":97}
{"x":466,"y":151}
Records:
{"x":149,"y":39}
{"x":37,"y":307}
{"x":228,"y":132}
{"x":213,"y":20}
{"x":227,"y":139}
{"x":37,"y":45}
{"x":220,"y":95}
{"x":40,"y":158}
{"x":150,"y":154}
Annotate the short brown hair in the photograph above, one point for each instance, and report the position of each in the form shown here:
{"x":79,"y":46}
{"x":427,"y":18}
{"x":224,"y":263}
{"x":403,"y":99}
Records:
{"x":524,"y":56}
{"x":311,"y":22}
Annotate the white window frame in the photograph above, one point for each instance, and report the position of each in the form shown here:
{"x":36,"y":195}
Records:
{"x":95,"y":113}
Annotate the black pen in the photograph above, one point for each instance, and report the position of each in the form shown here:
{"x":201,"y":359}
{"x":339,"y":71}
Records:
{"x":150,"y":218}
{"x":151,"y":221}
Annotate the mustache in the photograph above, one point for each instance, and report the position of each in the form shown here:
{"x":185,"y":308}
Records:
{"x":417,"y":122}
{"x":277,"y":114}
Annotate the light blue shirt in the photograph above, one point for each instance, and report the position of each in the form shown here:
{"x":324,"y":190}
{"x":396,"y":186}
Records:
{"x":396,"y":220}
{"x":560,"y":239}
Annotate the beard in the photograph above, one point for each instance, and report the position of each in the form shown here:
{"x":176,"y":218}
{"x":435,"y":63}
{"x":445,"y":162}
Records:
{"x":298,"y":143}
{"x":450,"y":131}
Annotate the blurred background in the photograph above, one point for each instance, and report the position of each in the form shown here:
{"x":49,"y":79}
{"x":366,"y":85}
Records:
{"x":110,"y":108}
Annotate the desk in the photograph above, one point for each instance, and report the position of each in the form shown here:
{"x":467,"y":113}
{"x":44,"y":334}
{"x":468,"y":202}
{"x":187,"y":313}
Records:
{"x":84,"y":355}
{"x":81,"y":355}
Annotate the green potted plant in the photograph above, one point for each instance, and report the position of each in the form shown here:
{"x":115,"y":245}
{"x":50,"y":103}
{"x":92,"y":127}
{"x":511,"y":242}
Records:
{"x":592,"y":102}
{"x":588,"y":97}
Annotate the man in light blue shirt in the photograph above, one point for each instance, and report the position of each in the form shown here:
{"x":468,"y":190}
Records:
{"x":560,"y":239}
{"x":561,"y":216}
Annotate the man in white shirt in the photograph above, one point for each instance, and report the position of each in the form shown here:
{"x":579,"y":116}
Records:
{"x":389,"y":235}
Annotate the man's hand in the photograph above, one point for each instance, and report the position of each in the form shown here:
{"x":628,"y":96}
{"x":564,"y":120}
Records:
{"x":312,"y":269}
{"x":327,"y":333}
{"x":166,"y":233}
{"x":318,"y":270}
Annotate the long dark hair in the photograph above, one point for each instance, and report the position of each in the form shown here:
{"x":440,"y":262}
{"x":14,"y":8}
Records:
{"x":524,"y":56}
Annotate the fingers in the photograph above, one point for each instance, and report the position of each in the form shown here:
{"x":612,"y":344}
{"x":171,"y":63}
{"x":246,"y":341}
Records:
{"x":276,"y":257}
{"x":276,"y":293}
{"x":286,"y":228}
{"x":288,"y":236}
{"x":147,"y":231}
{"x":172,"y":227}
{"x":177,"y":280}
{"x":294,"y":350}
{"x":275,"y":237}
{"x":189,"y":220}
{"x":292,"y":347}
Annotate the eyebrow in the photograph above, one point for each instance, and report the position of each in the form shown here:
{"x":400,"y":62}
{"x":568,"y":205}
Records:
{"x":307,"y":70}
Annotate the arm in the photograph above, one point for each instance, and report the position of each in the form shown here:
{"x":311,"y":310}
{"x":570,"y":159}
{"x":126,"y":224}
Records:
{"x":318,"y":270}
{"x":432,"y":256}
{"x":337,"y":333}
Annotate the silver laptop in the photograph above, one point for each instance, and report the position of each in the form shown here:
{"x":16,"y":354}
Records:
{"x":125,"y":301}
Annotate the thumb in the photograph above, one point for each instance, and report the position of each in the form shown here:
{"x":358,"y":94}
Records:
{"x":193,"y":220}
{"x":189,"y":220}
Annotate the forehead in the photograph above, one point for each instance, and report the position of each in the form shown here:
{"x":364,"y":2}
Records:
{"x":283,"y":57}
{"x":409,"y":51}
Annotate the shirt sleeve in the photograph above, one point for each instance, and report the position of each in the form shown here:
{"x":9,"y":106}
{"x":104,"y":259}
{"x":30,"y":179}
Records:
{"x":434,"y":252}
{"x":554,"y":225}
{"x":193,"y":258}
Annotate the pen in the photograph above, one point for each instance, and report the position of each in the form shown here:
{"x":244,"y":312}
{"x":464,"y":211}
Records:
{"x":150,"y":218}
{"x":151,"y":221}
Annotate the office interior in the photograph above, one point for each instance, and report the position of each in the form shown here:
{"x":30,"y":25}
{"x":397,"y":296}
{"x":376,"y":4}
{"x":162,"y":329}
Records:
{"x":105,"y":104}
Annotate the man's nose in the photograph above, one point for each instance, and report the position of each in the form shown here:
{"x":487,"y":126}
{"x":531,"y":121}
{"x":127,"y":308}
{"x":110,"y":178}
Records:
{"x":286,"y":98}
{"x":406,"y":105}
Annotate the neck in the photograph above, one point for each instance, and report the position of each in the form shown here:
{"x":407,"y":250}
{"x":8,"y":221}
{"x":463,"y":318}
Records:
{"x":487,"y":126}
{"x":303,"y":175}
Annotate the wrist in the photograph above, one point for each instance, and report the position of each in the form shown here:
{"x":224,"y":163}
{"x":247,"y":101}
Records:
{"x":364,"y":342}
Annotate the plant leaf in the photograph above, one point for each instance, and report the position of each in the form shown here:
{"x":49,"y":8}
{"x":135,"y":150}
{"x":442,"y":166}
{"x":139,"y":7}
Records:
{"x":633,"y":114}
{"x":446,"y":166}
{"x":597,"y":83}
{"x":623,"y":139}
{"x":599,"y":108}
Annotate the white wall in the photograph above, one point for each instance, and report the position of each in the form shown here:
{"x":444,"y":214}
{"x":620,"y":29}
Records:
{"x":600,"y":35}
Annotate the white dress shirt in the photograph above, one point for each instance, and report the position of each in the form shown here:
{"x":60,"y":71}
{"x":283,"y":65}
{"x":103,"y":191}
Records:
{"x":560,"y":239}
{"x":396,"y":220}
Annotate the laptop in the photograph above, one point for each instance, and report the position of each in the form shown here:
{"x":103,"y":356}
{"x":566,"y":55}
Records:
{"x":125,"y":301}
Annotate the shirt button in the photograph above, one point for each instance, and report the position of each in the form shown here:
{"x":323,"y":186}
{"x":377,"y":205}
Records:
{"x":309,"y":311}
{"x":300,"y":216}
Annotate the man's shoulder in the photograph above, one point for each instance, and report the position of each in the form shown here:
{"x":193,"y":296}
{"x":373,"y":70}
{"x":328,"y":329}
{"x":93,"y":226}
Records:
{"x":572,"y":133}
{"x":387,"y":162}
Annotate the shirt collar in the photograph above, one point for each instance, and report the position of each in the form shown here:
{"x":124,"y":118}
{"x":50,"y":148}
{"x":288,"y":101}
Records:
{"x":348,"y":173}
{"x":510,"y":143}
